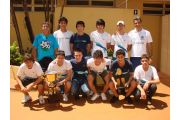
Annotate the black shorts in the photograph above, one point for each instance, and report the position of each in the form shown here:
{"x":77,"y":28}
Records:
{"x":27,"y":80}
{"x":45,"y":63}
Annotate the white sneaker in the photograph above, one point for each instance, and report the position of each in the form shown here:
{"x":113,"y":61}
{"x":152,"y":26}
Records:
{"x":41,"y":99}
{"x":26,"y":99}
{"x":103,"y":96}
{"x":90,"y":93}
{"x":65,"y":98}
{"x":94,"y":97}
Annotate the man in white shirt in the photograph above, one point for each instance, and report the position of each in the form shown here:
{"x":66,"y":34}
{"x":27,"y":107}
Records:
{"x":100,"y":39}
{"x":28,"y":75}
{"x":63,"y":68}
{"x":141,"y":41}
{"x":63,"y":37}
{"x":120,"y":40}
{"x":147,"y":78}
{"x":97,"y":66}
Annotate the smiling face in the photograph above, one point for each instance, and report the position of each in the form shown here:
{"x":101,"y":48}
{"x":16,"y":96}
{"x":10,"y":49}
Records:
{"x":120,"y":58}
{"x":98,"y":61}
{"x":29,"y":63}
{"x":145,"y":63}
{"x":45,"y":28}
{"x":80,"y":28}
{"x":63,"y":25}
{"x":120,"y":27}
{"x":138,"y":24}
{"x":78,"y":56}
{"x":100,"y":28}
{"x":60,"y":59}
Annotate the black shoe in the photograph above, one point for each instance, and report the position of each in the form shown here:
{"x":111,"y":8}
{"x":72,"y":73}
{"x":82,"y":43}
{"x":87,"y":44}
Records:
{"x":149,"y":99}
{"x":84,"y":95}
{"x":76,"y":97}
{"x":114,"y":99}
{"x":128,"y":100}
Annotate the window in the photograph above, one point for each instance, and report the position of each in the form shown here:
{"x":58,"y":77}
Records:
{"x":158,"y":8}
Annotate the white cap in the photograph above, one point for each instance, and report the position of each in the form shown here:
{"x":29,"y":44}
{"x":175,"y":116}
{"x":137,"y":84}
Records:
{"x":120,"y":22}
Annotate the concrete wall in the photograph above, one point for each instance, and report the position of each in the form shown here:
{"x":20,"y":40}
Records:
{"x":153,"y":24}
{"x":90,"y":15}
{"x":36,"y":18}
{"x":165,"y":46}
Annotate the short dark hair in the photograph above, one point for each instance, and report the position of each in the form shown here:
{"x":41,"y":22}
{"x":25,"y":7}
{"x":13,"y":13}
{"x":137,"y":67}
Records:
{"x":78,"y":50}
{"x":120,"y":52}
{"x":63,"y":19}
{"x":137,"y":18}
{"x":100,"y":22}
{"x":98,"y":54}
{"x":45,"y":23}
{"x":60,"y":52}
{"x":80,"y":23}
{"x":28,"y":57}
{"x":145,"y":56}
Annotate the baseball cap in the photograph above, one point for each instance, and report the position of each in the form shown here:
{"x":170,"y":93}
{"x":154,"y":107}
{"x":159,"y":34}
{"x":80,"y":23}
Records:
{"x":120,"y":22}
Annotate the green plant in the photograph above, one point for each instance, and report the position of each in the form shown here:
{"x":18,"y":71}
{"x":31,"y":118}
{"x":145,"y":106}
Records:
{"x":15,"y":57}
{"x":110,"y":52}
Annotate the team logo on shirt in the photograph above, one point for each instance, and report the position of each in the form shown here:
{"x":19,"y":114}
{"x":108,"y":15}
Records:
{"x":118,"y":71}
{"x":142,"y":37}
{"x":45,"y":45}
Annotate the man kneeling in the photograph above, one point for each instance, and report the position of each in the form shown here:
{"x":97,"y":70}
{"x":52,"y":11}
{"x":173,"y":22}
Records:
{"x":29,"y":75}
{"x":122,"y":81}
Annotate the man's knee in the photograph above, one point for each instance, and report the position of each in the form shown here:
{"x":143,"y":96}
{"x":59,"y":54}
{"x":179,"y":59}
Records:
{"x":153,"y":87}
{"x":17,"y":86}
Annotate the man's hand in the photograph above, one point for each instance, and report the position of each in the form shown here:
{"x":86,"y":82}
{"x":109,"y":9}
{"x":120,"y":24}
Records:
{"x":115,"y":84}
{"x":60,"y":83}
{"x":143,"y":94}
{"x":146,"y":85}
{"x":24,"y":89}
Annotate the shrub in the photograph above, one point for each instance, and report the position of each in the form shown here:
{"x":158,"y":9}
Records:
{"x":15,"y":57}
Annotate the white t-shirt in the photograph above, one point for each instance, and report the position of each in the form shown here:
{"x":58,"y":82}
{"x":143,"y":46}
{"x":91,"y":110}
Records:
{"x":150,"y":74}
{"x":122,"y":41}
{"x":34,"y":72}
{"x":63,"y":39}
{"x":59,"y":69}
{"x":101,"y":67}
{"x":100,"y":39}
{"x":139,"y":41}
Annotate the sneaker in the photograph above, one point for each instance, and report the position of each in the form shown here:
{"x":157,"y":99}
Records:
{"x":90,"y":93}
{"x":149,"y":102}
{"x":128,"y":100}
{"x":41,"y":99}
{"x":103,"y":96}
{"x":114,"y":99}
{"x":94,"y":97}
{"x":76,"y":97}
{"x":65,"y":98}
{"x":26,"y":99}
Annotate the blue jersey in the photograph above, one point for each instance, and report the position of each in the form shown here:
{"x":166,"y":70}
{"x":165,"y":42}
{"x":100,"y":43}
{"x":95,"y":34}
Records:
{"x":121,"y":72}
{"x":80,"y":41}
{"x":80,"y":69}
{"x":45,"y":46}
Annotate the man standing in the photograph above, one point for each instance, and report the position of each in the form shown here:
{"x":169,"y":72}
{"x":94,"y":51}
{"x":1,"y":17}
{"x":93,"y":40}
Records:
{"x":45,"y":47}
{"x":100,"y":39}
{"x":63,"y":37}
{"x":141,"y":42}
{"x":81,"y":40}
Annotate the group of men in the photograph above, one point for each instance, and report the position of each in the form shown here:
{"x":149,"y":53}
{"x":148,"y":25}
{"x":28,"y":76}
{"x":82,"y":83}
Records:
{"x":78,"y":59}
